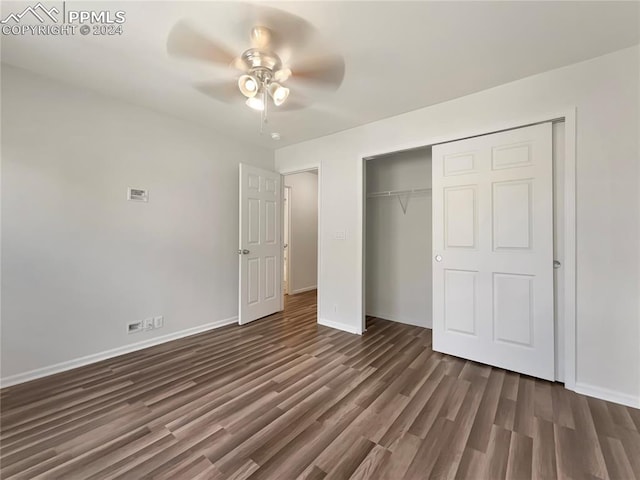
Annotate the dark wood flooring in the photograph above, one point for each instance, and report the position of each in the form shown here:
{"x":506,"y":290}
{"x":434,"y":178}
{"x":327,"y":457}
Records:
{"x":283,"y":398}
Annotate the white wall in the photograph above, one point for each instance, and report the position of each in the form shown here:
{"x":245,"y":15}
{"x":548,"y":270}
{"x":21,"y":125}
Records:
{"x":303,"y":242}
{"x":79,"y":261}
{"x":398,"y":244}
{"x":605,"y":93}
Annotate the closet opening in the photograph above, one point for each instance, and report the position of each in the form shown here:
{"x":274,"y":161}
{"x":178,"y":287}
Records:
{"x":398,"y":273}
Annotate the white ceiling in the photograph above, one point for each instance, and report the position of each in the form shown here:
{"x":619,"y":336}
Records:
{"x":399,"y":56}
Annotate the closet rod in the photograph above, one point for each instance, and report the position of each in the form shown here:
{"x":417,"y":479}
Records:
{"x":392,"y":193}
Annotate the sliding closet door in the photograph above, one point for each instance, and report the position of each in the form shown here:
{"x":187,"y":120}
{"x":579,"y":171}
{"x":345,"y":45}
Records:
{"x":493,"y":250}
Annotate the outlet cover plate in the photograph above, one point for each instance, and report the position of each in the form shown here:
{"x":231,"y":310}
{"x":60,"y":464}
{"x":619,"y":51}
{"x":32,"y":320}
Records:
{"x":158,"y":322}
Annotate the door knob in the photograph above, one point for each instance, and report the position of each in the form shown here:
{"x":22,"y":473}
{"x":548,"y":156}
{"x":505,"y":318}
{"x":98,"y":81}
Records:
{"x":438,"y":258}
{"x":243,"y":252}
{"x":556,"y":264}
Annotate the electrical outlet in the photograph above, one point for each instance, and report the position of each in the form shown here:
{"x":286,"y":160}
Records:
{"x":158,"y":322}
{"x":135,"y":327}
{"x":148,"y":323}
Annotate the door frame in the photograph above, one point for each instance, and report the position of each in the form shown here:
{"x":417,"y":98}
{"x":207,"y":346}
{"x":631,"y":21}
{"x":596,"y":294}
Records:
{"x":287,"y":214}
{"x":290,"y":171}
{"x":568,"y":115}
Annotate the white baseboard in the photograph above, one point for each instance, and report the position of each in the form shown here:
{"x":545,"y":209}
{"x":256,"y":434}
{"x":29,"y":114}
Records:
{"x":96,"y":357}
{"x":339,"y":326}
{"x":608,"y":395}
{"x":302,"y":290}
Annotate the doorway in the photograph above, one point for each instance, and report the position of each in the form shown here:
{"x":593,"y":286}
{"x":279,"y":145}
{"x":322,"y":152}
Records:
{"x":300,"y":232}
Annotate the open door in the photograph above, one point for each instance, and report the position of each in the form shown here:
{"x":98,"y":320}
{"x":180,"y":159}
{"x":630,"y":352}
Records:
{"x":493,"y":250}
{"x":260,"y":292}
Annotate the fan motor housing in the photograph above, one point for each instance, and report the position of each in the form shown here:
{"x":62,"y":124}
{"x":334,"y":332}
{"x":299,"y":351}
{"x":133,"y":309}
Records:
{"x":255,"y":58}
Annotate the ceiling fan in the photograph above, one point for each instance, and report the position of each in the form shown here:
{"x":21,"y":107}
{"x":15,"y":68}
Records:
{"x":283,"y":60}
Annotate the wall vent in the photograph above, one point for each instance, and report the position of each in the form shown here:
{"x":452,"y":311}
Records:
{"x":138,"y":194}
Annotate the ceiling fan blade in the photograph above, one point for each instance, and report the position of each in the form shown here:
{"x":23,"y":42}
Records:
{"x":227,"y":91}
{"x":324,"y":72}
{"x":286,"y":29}
{"x":187,"y":42}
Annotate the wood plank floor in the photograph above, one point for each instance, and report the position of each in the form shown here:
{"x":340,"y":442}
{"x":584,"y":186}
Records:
{"x":283,"y":398}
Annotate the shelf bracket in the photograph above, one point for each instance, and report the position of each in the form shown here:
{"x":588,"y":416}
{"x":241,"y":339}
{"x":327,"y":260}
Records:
{"x":404,"y":202}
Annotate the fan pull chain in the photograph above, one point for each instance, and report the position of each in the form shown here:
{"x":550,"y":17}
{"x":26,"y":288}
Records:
{"x":263,"y":114}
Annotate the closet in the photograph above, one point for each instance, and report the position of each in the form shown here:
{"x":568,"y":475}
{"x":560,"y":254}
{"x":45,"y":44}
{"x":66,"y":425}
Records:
{"x":500,"y":249}
{"x":398,"y":237}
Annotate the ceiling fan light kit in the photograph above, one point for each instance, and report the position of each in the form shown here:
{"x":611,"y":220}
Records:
{"x":278,"y":93}
{"x":262,"y":67}
{"x":262,"y":71}
{"x":248,"y":85}
{"x":256,"y":102}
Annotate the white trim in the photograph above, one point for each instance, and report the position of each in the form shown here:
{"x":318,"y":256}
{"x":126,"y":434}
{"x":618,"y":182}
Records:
{"x":570,"y":266}
{"x":362,"y":258}
{"x":97,"y":357}
{"x":309,"y":168}
{"x":283,"y":291}
{"x":291,"y":243}
{"x":293,"y":171}
{"x":608,"y":395}
{"x":338,"y":326}
{"x":569,"y":116}
{"x":302,"y":290}
{"x":288,"y":214}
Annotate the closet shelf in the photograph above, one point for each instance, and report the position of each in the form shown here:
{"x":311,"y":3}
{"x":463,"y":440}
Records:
{"x":403,"y":196}
{"x":398,"y":193}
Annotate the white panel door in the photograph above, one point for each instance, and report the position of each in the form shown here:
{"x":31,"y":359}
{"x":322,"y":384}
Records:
{"x":493,"y":250}
{"x":259,"y":249}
